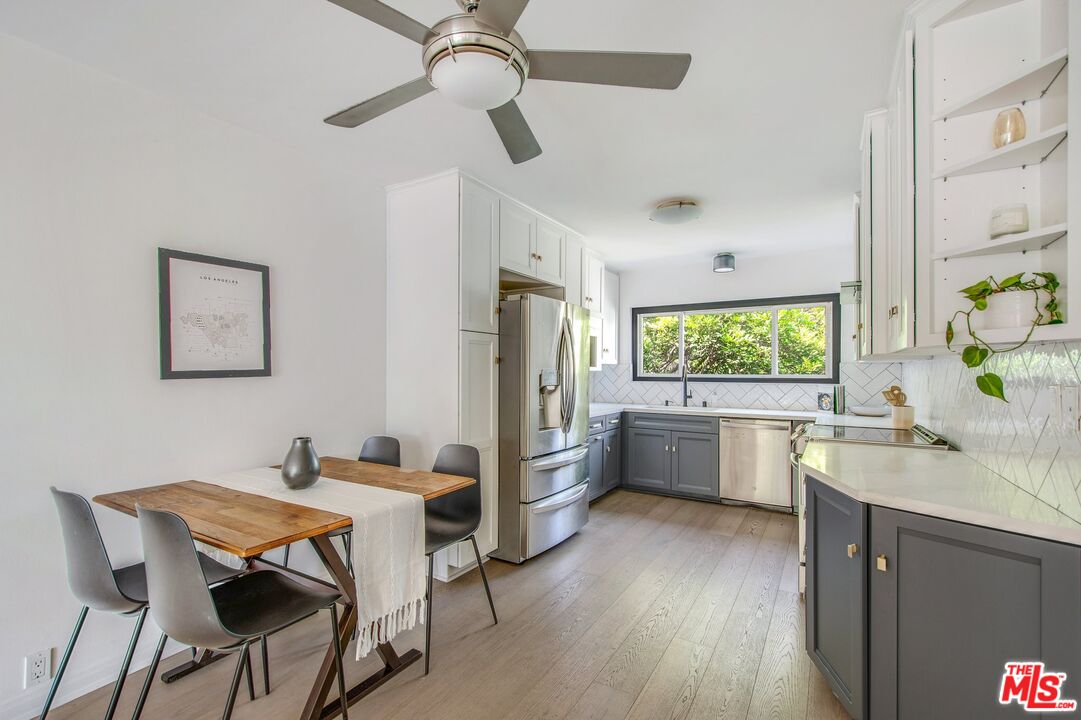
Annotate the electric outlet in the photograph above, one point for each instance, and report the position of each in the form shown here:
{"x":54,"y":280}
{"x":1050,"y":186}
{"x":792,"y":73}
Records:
{"x":37,"y":668}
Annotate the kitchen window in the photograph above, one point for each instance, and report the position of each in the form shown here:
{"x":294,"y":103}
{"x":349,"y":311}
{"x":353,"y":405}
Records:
{"x":792,"y":339}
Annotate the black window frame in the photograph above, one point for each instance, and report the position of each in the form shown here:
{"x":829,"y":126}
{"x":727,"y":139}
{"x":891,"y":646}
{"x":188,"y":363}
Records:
{"x":832,"y":299}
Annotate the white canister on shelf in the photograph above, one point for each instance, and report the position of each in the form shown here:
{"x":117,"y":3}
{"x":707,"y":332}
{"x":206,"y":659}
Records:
{"x":904,"y":417}
{"x":1009,"y":219}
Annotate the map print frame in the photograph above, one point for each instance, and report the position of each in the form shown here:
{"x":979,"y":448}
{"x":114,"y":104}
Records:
{"x":214,"y":316}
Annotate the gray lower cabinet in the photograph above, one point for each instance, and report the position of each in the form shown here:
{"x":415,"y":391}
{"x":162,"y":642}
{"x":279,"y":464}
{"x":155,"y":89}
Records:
{"x":596,"y":466}
{"x":911,"y":617}
{"x":613,"y":460}
{"x":647,"y":454}
{"x":696,"y":464}
{"x":672,"y":461}
{"x":951,"y":604}
{"x":605,"y":460}
{"x":837,"y":593}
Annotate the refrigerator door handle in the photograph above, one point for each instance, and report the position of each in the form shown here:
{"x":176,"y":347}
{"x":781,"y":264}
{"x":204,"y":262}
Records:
{"x":551,"y":506}
{"x":560,"y":462}
{"x":569,"y":374}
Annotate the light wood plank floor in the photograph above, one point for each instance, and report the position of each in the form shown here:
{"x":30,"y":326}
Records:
{"x":659,"y":608}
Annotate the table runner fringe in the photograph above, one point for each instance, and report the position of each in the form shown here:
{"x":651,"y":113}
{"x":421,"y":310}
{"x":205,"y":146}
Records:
{"x":387,"y":627}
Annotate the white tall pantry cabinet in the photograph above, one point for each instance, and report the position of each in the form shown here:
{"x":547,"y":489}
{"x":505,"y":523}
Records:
{"x":443,"y":332}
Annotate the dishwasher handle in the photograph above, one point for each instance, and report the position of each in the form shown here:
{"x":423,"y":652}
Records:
{"x":756,"y":424}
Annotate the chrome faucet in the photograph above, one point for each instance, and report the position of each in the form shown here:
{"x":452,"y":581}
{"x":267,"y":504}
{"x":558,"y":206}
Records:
{"x":686,"y":392}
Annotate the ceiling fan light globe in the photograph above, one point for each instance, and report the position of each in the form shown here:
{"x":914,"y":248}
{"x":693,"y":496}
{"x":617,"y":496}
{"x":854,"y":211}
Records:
{"x":476,"y":80}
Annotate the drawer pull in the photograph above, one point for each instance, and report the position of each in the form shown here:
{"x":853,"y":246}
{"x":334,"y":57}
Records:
{"x":853,"y":549}
{"x":880,"y":563}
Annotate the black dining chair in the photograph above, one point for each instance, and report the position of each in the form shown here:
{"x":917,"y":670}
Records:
{"x":452,"y":518}
{"x":98,"y":586}
{"x":379,"y":449}
{"x":228,"y":617}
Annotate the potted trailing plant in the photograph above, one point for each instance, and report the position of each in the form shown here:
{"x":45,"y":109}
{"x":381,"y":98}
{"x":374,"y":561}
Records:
{"x":1042,"y":286}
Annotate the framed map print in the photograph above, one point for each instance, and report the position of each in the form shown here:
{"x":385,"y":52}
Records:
{"x":215,"y":316}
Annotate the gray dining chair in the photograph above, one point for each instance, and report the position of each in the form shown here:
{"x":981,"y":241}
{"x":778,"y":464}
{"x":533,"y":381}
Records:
{"x":452,"y":518}
{"x":98,"y":586}
{"x":228,"y":617}
{"x":381,"y":450}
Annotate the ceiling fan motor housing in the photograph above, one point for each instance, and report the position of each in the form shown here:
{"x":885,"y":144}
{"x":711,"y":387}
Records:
{"x":465,"y":34}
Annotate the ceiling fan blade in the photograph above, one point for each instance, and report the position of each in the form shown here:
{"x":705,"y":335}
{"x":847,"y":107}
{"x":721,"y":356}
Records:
{"x":501,"y":14}
{"x":514,"y":131}
{"x":661,"y":71}
{"x":376,"y":106}
{"x":388,"y":17}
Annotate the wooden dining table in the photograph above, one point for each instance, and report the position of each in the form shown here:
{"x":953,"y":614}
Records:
{"x":247,"y":526}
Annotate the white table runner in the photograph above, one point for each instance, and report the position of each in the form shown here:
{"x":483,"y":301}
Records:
{"x":388,"y":545}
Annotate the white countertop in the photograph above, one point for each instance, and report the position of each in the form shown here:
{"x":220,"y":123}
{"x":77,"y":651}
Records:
{"x":930,"y":482}
{"x":798,"y":415}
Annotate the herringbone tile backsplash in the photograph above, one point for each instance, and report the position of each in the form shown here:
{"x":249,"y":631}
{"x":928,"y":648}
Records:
{"x":1029,"y":441}
{"x":863,"y":384}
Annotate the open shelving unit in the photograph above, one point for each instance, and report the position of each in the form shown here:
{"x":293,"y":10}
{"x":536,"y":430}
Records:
{"x":976,"y":59}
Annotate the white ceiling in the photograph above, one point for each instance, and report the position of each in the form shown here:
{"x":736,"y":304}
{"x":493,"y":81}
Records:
{"x":764,"y":131}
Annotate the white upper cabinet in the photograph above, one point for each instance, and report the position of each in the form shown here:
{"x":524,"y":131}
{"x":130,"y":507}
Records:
{"x":517,"y":238}
{"x":610,"y":316}
{"x":550,"y":259}
{"x":531,"y":245}
{"x":478,"y":285}
{"x":874,"y":235}
{"x":573,"y":272}
{"x":900,"y":251}
{"x":592,"y":282}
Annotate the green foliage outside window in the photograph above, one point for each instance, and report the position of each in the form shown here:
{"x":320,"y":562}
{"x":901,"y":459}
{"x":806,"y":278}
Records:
{"x":729,"y":343}
{"x":737,"y":343}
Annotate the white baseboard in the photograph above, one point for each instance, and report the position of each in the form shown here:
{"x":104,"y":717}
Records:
{"x":79,"y":681}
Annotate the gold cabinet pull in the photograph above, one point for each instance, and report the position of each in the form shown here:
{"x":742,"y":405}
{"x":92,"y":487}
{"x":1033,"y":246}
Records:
{"x":853,"y":549}
{"x":498,"y":359}
{"x":880,"y":563}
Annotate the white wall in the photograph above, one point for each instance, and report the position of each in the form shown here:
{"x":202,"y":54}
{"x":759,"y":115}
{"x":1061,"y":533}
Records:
{"x":94,"y":176}
{"x":808,"y":273}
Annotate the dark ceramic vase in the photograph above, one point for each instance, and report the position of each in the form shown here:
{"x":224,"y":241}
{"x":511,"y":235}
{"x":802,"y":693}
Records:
{"x":301,"y":467}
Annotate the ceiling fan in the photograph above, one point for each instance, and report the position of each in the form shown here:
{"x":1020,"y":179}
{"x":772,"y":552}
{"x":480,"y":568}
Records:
{"x":478,"y":60}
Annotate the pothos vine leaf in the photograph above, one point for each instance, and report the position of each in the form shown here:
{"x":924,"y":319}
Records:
{"x":974,"y":356}
{"x":991,"y":384}
{"x":949,"y":334}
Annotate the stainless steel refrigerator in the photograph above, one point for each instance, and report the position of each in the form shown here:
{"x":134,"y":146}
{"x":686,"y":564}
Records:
{"x":543,"y":424}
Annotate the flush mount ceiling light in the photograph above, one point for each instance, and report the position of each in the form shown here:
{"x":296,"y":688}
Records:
{"x":676,"y":212}
{"x":478,"y":60}
{"x":724,"y":263}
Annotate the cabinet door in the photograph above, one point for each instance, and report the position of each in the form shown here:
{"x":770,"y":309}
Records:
{"x":837,"y":594}
{"x":517,"y":238}
{"x":900,"y":334}
{"x":648,"y":461}
{"x":478,"y":426}
{"x":479,"y":259}
{"x":573,"y":273}
{"x":610,"y":331}
{"x":551,"y":260}
{"x":613,"y":460}
{"x":954,"y":603}
{"x":696,"y":465}
{"x":592,"y":282}
{"x":596,"y":466}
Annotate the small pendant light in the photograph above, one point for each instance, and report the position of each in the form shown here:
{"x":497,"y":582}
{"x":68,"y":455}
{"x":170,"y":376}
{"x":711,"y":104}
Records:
{"x":724,"y":263}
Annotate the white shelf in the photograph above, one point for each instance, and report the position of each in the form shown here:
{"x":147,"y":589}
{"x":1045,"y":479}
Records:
{"x":1028,"y":85}
{"x":1030,"y":151}
{"x":1032,"y":240}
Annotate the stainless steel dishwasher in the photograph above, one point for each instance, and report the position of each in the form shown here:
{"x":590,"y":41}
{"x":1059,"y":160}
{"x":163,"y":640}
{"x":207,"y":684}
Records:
{"x":755,"y":462}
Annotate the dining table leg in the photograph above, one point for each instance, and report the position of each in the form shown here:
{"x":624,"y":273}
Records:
{"x":317,"y":708}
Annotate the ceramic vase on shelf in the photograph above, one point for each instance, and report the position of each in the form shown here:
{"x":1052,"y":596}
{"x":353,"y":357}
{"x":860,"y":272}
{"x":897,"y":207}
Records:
{"x":1009,"y":127}
{"x":301,"y":466}
{"x":1009,"y":219}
